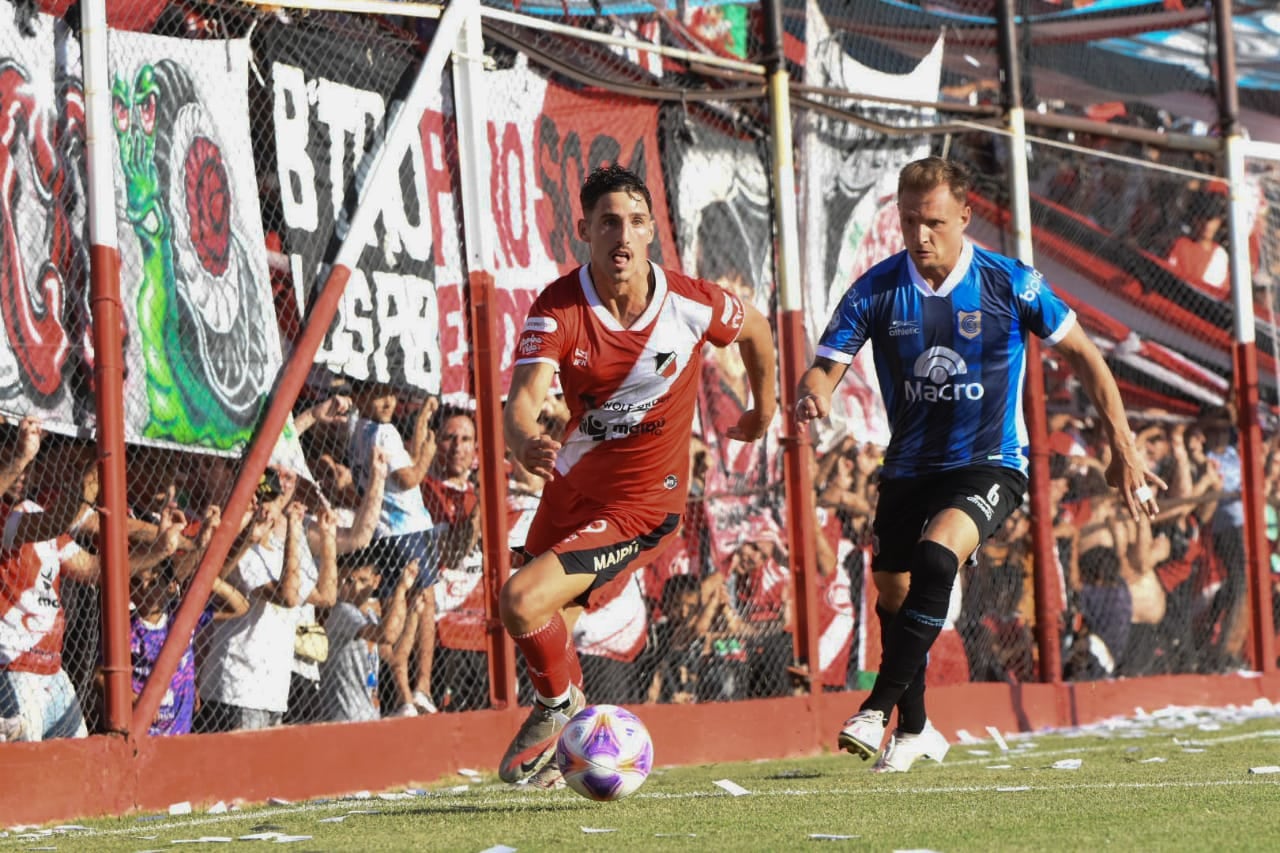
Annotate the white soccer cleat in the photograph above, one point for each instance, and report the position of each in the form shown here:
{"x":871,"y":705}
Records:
{"x":862,"y":734}
{"x":904,"y":749}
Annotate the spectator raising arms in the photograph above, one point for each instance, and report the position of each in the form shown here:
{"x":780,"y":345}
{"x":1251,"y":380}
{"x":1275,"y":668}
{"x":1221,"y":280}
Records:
{"x":626,"y":337}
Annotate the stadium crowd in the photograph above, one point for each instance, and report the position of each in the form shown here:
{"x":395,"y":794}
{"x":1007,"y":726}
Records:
{"x":322,"y":612}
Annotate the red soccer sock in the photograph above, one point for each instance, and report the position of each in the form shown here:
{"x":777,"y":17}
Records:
{"x":545,"y":651}
{"x":571,"y":657}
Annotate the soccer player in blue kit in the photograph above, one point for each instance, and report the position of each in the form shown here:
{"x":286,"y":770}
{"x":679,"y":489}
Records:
{"x":949,"y":322}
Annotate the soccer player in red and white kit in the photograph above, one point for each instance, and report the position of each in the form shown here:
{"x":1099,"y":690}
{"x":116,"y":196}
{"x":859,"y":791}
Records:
{"x":626,"y":337}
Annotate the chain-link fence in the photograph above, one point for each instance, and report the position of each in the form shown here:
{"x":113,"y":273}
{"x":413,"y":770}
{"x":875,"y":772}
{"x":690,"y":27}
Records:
{"x":243,"y":141}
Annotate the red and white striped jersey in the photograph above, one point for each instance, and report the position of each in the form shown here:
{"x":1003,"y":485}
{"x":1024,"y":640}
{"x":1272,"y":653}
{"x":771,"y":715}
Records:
{"x":631,"y":392}
{"x":31,"y":617}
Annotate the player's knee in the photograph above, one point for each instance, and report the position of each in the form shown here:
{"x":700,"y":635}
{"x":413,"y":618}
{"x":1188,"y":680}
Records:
{"x":933,"y":571}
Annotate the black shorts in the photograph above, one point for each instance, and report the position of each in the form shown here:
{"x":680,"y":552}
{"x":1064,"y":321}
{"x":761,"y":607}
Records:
{"x":985,"y":493}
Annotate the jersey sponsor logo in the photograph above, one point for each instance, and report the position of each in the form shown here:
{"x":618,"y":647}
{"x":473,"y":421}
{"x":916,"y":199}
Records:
{"x":594,"y":427}
{"x":643,"y":428}
{"x":580,"y":358}
{"x":665,"y":364}
{"x":970,"y":323}
{"x":600,"y":429}
{"x":530,"y":344}
{"x":1031,"y":287}
{"x":609,"y":559}
{"x":540,"y":324}
{"x":936,"y":368}
{"x":898,"y":328}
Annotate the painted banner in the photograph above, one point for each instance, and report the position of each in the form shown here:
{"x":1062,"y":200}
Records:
{"x":203,"y":347}
{"x":723,"y":221}
{"x":403,"y":314}
{"x":44,"y":368}
{"x":850,"y":218}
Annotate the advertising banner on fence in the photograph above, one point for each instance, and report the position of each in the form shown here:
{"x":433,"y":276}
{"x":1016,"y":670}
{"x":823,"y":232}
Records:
{"x":848,"y":187}
{"x":203,"y":347}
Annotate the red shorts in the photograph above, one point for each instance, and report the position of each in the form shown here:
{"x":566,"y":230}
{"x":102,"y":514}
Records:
{"x":597,"y":539}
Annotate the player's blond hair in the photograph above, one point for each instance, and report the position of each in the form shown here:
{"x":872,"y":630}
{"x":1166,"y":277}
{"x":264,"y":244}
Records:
{"x":921,"y":176}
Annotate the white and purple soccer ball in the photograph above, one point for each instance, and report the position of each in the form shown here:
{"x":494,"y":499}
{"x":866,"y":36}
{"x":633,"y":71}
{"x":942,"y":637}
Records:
{"x":604,"y":752}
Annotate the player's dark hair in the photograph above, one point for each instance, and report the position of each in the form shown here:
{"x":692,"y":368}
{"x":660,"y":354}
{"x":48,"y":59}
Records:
{"x":446,"y":413}
{"x":921,"y":176}
{"x":612,"y":179}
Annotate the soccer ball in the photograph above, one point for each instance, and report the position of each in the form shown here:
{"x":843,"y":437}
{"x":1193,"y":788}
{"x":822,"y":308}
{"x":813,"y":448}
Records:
{"x":604,"y":752}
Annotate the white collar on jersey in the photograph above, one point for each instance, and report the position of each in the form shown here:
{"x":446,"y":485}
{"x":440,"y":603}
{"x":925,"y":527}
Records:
{"x":957,"y":275}
{"x":609,"y":321}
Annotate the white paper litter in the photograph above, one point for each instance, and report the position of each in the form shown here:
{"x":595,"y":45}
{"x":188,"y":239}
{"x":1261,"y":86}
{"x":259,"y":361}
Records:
{"x":999,"y":766}
{"x":393,"y":795}
{"x":459,"y":789}
{"x":499,"y":848}
{"x":1266,"y":768}
{"x":180,"y":808}
{"x":261,"y":836}
{"x":1014,"y":788}
{"x":289,"y":839}
{"x":469,"y":773}
{"x":71,"y":827}
{"x":592,"y":830}
{"x":1192,"y":749}
{"x":826,"y":836}
{"x":1156,"y":759}
{"x":963,"y":736}
{"x":998,"y":738}
{"x":1068,"y":764}
{"x":979,"y":752}
{"x":362,"y":795}
{"x":279,"y":801}
{"x":218,"y":808}
{"x":339,"y":819}
{"x":204,"y":839}
{"x":732,"y":787}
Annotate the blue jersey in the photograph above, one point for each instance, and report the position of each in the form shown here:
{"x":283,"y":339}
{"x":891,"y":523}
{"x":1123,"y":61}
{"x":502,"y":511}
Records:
{"x":951,"y":362}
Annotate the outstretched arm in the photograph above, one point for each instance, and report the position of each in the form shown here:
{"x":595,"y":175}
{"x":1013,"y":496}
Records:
{"x":755,"y":343}
{"x":1127,"y":471}
{"x":813,"y":396}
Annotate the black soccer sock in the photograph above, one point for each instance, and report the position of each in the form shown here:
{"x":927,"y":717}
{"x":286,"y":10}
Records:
{"x":911,"y":633}
{"x":911,"y":715}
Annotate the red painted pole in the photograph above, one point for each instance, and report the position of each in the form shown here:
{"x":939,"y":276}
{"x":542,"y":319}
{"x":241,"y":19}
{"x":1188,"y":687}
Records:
{"x":1047,"y":580}
{"x":1256,"y":550}
{"x":493,"y":485}
{"x":800,"y":508}
{"x":113,"y":543}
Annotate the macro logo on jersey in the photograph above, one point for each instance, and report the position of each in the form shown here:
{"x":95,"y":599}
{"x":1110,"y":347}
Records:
{"x":936,"y":370}
{"x":970,"y":323}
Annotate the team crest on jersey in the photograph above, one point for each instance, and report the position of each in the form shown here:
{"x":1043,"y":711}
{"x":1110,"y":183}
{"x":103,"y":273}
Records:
{"x":665,"y":364}
{"x":970,"y":323}
{"x":671,"y":481}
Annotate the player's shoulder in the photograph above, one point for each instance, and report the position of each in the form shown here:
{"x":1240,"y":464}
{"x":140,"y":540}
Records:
{"x":687,"y":285}
{"x":889,"y":274}
{"x":1004,"y":269}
